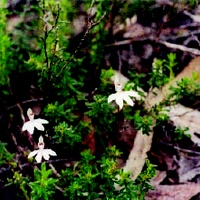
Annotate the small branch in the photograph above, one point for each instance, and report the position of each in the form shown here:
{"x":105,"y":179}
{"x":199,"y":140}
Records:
{"x":90,"y":25}
{"x":167,"y":44}
{"x":25,"y":102}
{"x":181,"y":149}
{"x":54,"y":170}
{"x":196,"y":18}
{"x":47,"y":32}
{"x":180,"y":47}
{"x":21,"y":112}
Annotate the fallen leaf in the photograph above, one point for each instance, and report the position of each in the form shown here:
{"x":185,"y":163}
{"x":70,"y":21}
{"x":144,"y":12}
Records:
{"x":173,"y":192}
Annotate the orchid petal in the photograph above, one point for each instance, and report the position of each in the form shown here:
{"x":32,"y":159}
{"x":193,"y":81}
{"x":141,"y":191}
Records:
{"x":133,"y":94}
{"x":51,"y":152}
{"x":128,"y":100}
{"x":30,"y":114}
{"x":41,"y":121}
{"x":38,"y":125}
{"x":25,"y":126}
{"x":30,"y":127}
{"x":40,"y":140}
{"x":111,"y":97}
{"x":45,"y":154}
{"x":33,"y":153}
{"x":119,"y":101}
{"x":38,"y":158}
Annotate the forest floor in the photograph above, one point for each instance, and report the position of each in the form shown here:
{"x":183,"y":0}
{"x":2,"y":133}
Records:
{"x":168,"y":27}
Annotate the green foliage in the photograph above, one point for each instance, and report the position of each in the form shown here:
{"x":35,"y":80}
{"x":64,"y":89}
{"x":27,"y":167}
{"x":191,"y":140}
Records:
{"x":4,"y":47}
{"x":67,"y":135}
{"x":43,"y":187}
{"x":105,"y":78}
{"x":180,"y":133}
{"x":162,"y":71}
{"x":100,"y":113}
{"x":21,"y":182}
{"x":144,"y":179}
{"x":186,"y":87}
{"x":44,"y":48}
{"x":160,"y":115}
{"x":135,"y":81}
{"x":97,"y":43}
{"x":5,"y":156}
{"x":60,"y":112}
{"x":143,"y":123}
{"x":91,"y":180}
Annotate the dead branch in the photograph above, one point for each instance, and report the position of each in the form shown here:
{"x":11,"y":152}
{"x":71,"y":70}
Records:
{"x":180,"y":47}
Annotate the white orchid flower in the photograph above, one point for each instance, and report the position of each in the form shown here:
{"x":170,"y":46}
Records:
{"x":33,"y":123}
{"x":120,"y":96}
{"x":41,"y":152}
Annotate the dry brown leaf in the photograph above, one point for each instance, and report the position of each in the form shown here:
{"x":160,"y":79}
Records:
{"x":186,"y":117}
{"x":189,"y":167}
{"x":138,"y":154}
{"x":173,"y":192}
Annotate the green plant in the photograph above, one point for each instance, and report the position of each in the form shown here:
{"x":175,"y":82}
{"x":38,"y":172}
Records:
{"x":62,"y":74}
{"x":67,"y":135}
{"x":103,"y":179}
{"x":162,"y":71}
{"x":5,"y":53}
{"x":135,"y":82}
{"x":100,"y":113}
{"x":43,"y":187}
{"x":21,"y":182}
{"x":144,"y":179}
{"x":143,"y":123}
{"x":180,"y":133}
{"x":186,"y":87}
{"x":5,"y":156}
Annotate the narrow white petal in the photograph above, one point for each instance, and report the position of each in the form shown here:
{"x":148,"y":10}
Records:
{"x":24,"y":127}
{"x":33,"y":153}
{"x":41,"y":121}
{"x":41,"y":140}
{"x":38,"y":125}
{"x":119,"y":101}
{"x":111,"y":97}
{"x":45,"y":154}
{"x":51,"y":152}
{"x":38,"y":158}
{"x":132,"y":94}
{"x":128,"y":100}
{"x":30,"y":114}
{"x":30,"y":127}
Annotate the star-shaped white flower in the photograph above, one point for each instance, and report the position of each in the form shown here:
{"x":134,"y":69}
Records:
{"x":121,"y":96}
{"x":33,"y":123}
{"x":41,"y":152}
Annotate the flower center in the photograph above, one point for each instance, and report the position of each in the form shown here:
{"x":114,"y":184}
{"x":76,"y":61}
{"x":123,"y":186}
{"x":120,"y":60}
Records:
{"x":118,"y":87}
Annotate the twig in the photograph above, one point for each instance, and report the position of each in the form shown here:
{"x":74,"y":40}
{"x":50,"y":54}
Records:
{"x":180,"y":47}
{"x":21,"y":112}
{"x":90,"y":25}
{"x":181,"y":149}
{"x":25,"y":102}
{"x":196,"y":18}
{"x":47,"y":32}
{"x":54,"y":170}
{"x":167,"y":44}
